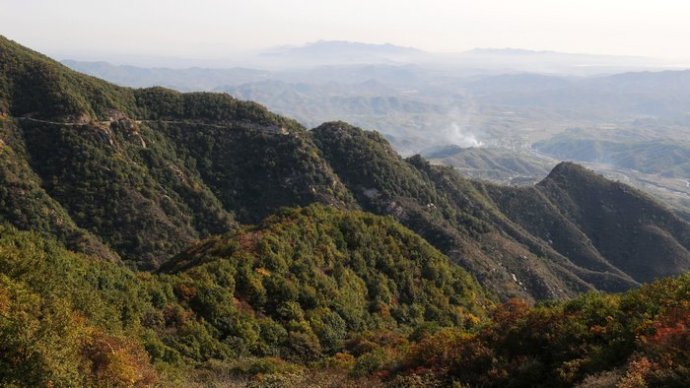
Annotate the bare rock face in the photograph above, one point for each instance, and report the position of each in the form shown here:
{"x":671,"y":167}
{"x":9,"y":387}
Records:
{"x":84,"y":118}
{"x":116,"y":115}
{"x":129,"y":128}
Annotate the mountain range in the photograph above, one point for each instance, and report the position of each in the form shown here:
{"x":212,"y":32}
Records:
{"x":213,"y":229}
{"x":145,"y":172}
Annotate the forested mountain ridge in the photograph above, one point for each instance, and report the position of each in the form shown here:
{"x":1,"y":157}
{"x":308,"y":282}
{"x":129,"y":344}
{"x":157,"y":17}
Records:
{"x":599,"y":224}
{"x":143,"y":173}
{"x":147,"y":171}
{"x":34,"y":85}
{"x":468,"y":220}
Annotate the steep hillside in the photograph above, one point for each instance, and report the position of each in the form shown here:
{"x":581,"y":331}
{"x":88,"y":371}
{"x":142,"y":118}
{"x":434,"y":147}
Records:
{"x":125,"y":185}
{"x":599,"y":224}
{"x":26,"y":204}
{"x":322,"y":258}
{"x":306,"y":284}
{"x":254,"y":171}
{"x":457,"y":216}
{"x":573,"y":231}
{"x":635,"y":233}
{"x":544,"y":269}
{"x":146,"y":171}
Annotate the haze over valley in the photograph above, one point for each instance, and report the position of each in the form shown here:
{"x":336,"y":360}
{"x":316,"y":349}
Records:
{"x":503,"y":115}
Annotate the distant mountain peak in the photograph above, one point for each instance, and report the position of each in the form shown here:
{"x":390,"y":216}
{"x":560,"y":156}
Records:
{"x":567,"y":168}
{"x":332,"y":52}
{"x":571,"y":172}
{"x":320,"y":45}
{"x":508,"y":51}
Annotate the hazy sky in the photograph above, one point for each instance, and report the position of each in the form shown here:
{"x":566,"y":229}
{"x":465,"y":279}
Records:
{"x":214,"y":28}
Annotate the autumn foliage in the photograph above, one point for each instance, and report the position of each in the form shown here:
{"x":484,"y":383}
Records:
{"x":635,"y":339}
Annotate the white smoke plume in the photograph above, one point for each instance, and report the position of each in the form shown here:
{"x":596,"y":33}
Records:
{"x":465,"y":139}
{"x":463,"y":116}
